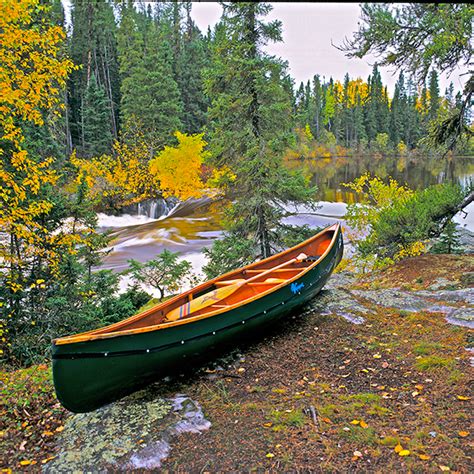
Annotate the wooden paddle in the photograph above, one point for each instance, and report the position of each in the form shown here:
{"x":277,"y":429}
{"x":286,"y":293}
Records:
{"x":213,"y":297}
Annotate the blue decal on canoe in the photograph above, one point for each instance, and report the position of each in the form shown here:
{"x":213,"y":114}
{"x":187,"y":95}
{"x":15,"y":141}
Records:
{"x":295,"y":287}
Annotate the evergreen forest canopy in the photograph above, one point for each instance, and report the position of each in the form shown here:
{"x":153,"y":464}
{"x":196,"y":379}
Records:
{"x":144,"y":66}
{"x":106,"y":116}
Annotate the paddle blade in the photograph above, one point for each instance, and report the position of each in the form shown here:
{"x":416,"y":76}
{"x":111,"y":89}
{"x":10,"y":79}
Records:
{"x":203,"y":301}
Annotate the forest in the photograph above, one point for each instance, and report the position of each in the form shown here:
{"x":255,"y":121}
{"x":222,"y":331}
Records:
{"x":130,"y":101}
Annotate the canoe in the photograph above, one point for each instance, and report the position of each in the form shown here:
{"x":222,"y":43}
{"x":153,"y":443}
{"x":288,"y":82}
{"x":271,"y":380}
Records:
{"x":97,"y":367}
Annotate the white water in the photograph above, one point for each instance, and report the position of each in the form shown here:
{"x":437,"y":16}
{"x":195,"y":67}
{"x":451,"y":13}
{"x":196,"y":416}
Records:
{"x":125,"y":220}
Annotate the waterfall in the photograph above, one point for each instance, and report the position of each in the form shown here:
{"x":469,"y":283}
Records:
{"x":152,"y":211}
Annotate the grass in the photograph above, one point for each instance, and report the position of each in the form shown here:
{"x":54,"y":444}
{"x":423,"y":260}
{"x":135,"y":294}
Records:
{"x":425,"y":348}
{"x":288,"y":419}
{"x":433,"y":362}
{"x":360,"y":436}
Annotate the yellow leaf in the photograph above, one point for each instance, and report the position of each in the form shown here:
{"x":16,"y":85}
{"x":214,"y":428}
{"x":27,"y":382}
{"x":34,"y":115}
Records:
{"x":268,"y":424}
{"x":444,"y":468}
{"x":463,"y":434}
{"x":463,"y":398}
{"x":377,"y":356}
{"x":25,"y":463}
{"x":47,"y":433}
{"x":355,"y":422}
{"x":270,"y":455}
{"x":424,"y":457}
{"x":59,"y":429}
{"x":398,"y":448}
{"x":363,"y":424}
{"x":404,"y":452}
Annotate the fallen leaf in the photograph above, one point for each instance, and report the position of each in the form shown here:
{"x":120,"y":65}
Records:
{"x":385,"y":365}
{"x":44,"y":461}
{"x":424,"y":457}
{"x":241,"y":370}
{"x":270,"y":455}
{"x":377,"y":356}
{"x":419,"y":387}
{"x":415,"y":393}
{"x":268,"y":424}
{"x":463,"y":398}
{"x":363,"y":424}
{"x":444,"y":468}
{"x":25,"y":463}
{"x":47,"y":433}
{"x":357,"y":454}
{"x":355,"y":422}
{"x":398,"y":448}
{"x":463,"y":434}
{"x":404,"y":452}
{"x":326,"y":420}
{"x":59,"y":429}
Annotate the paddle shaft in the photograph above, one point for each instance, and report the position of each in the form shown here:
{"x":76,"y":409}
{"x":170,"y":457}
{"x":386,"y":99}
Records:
{"x":219,"y":294}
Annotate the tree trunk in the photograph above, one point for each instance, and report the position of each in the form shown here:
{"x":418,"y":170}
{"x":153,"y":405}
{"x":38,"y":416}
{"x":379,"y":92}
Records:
{"x":452,"y":212}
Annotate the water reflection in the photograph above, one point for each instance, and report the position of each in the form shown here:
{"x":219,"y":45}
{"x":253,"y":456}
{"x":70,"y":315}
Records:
{"x":416,"y":172}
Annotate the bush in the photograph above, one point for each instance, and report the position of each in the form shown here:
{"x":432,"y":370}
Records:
{"x":165,"y":273}
{"x":396,"y":220}
{"x":67,"y":309}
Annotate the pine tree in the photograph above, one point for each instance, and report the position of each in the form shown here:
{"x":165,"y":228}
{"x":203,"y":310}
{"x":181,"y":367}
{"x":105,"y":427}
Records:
{"x":317,"y":98}
{"x":150,"y":94}
{"x":398,"y":112}
{"x":93,"y":46}
{"x":192,"y":60}
{"x":96,"y":118}
{"x":250,"y":114}
{"x":434,"y":95}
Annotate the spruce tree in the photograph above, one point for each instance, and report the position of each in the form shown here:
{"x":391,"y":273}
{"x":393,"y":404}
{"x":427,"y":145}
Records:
{"x":96,"y":118}
{"x":150,"y":94}
{"x":93,"y":46}
{"x":434,"y":95}
{"x":249,"y":115}
{"x":398,"y":111}
{"x":192,"y":60}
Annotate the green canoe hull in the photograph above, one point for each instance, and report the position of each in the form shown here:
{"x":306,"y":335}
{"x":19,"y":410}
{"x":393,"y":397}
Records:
{"x":90,"y":374}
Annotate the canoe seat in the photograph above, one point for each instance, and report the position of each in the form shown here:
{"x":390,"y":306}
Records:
{"x":229,"y":282}
{"x":268,"y":281}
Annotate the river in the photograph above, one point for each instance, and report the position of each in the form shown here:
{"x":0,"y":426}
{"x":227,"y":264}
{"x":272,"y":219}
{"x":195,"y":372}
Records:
{"x":191,"y":226}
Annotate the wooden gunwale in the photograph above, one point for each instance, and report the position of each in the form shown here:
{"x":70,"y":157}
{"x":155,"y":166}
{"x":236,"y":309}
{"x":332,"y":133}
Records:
{"x":95,"y":335}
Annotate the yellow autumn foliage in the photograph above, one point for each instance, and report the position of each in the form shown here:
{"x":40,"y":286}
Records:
{"x":32,"y":74}
{"x":121,"y":178}
{"x":129,"y":175}
{"x":177,"y":170}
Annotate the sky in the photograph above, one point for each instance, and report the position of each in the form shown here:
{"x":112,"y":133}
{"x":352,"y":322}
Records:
{"x":308,"y":30}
